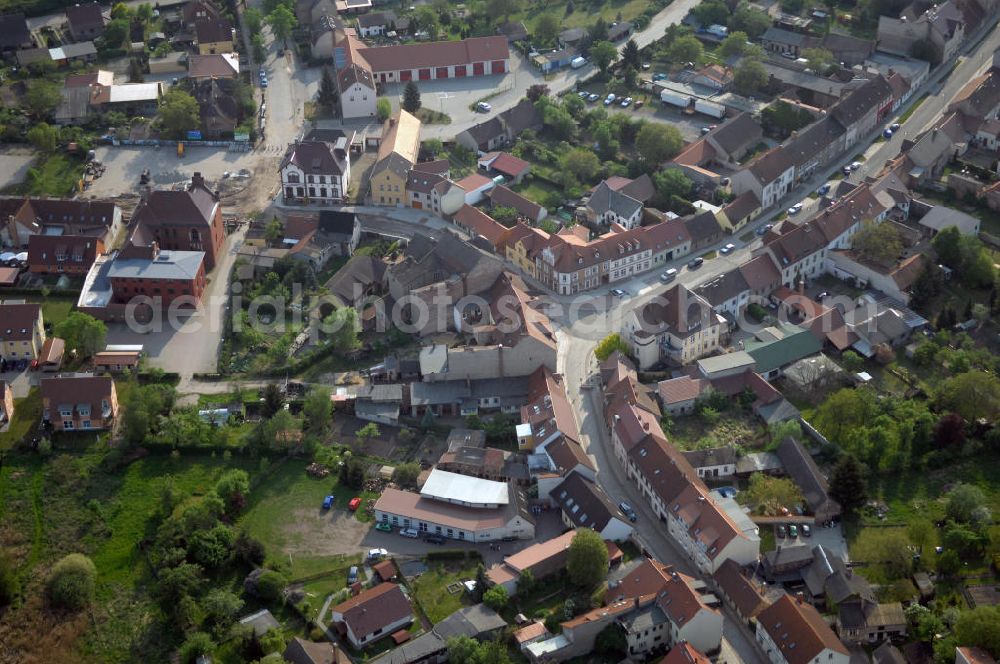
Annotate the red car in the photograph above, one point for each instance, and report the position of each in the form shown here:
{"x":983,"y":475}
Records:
{"x":354,"y":504}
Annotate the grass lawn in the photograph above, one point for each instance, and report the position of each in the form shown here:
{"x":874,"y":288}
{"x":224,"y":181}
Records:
{"x":734,"y":427}
{"x":430,"y":589}
{"x":273,"y":506}
{"x":430,"y":116}
{"x":536,"y":190}
{"x":27,"y":413}
{"x":585,"y":15}
{"x":58,"y":175}
{"x":56,"y":309}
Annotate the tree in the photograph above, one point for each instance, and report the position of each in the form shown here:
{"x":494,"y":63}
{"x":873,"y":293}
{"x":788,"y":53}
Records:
{"x":581,"y":162}
{"x":920,"y":532}
{"x":611,"y":642}
{"x":949,"y":430}
{"x":352,"y":472}
{"x":496,"y":598}
{"x":537,"y":91}
{"x":750,"y":21}
{"x":949,"y":564}
{"x":179,"y":113}
{"x":587,"y":559}
{"x":526,"y":582}
{"x":405,"y":475}
{"x":482,"y":583}
{"x":274,"y":231}
{"x":233,"y":487}
{"x":502,"y":9}
{"x":923,"y":623}
{"x":734,"y":44}
{"x":948,"y":245}
{"x":973,"y":395}
{"x":750,"y":76}
{"x":630,"y":54}
{"x":547,"y":27}
{"x":964,"y":500}
{"x":847,"y":484}
{"x":603,"y":54}
{"x":254,"y":20}
{"x":558,"y":119}
{"x":367,"y":432}
{"x":671,"y":182}
{"x":411,"y":97}
{"x":980,"y":627}
{"x":44,"y":137}
{"x":342,"y":328}
{"x":71,"y":582}
{"x":686,"y":49}
{"x":196,"y":645}
{"x":270,"y":585}
{"x":383,"y":109}
{"x":610,"y":344}
{"x":41,"y":98}
{"x":257,"y":46}
{"x":282,"y":21}
{"x":657,"y":142}
{"x":273,"y":401}
{"x":819,"y":59}
{"x":770,"y":494}
{"x":327,"y":95}
{"x":851,"y":361}
{"x":115,"y":33}
{"x":82,"y":332}
{"x":782,"y":118}
{"x":317,"y":410}
{"x":711,"y":12}
{"x":878,"y":242}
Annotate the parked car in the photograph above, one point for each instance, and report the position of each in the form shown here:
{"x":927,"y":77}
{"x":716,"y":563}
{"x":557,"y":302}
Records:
{"x":823,"y":190}
{"x":618,"y":292}
{"x":639,"y":104}
{"x":795,"y":209}
{"x":780,"y":531}
{"x":887,"y":133}
{"x":583,"y":94}
{"x":729,"y":248}
{"x":625,"y":102}
{"x":669,"y":275}
{"x":846,"y":170}
{"x":434,"y":539}
{"x":628,"y":511}
{"x":383,"y":526}
{"x":855,"y":165}
{"x":610,"y":99}
{"x":894,"y":126}
{"x":352,"y":575}
{"x":409,"y":532}
{"x":483,"y":107}
{"x":659,"y":76}
{"x":328,"y":502}
{"x":354,"y":504}
{"x":764,"y":229}
{"x":695,"y":263}
{"x":705,"y":130}
{"x":793,"y":531}
{"x":377,"y":554}
{"x":593,"y":97}
{"x":806,"y":530}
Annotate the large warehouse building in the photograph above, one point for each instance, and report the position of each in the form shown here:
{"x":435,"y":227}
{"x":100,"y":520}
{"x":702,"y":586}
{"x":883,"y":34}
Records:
{"x":459,"y":507}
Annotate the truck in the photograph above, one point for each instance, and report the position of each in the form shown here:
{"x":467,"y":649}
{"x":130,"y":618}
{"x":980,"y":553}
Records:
{"x":578,"y":62}
{"x":675,"y":99}
{"x":710,"y":108}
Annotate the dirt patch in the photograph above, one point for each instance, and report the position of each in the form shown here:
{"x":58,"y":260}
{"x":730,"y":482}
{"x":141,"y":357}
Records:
{"x":312,"y":533}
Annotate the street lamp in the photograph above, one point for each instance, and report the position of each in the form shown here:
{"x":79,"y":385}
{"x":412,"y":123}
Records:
{"x":442,"y":96}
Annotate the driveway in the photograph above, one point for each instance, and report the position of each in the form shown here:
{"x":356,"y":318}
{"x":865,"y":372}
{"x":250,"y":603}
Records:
{"x":193,"y":345}
{"x":14,"y":164}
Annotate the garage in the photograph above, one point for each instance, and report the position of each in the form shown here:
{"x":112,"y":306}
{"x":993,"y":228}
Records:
{"x":498,"y":67}
{"x":405,"y":75}
{"x":425,"y":74}
{"x":441,"y":72}
{"x":417,"y":205}
{"x":460,"y":71}
{"x":478,"y":68}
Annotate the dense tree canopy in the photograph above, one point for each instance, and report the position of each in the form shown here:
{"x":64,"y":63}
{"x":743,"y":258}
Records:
{"x":587,"y":559}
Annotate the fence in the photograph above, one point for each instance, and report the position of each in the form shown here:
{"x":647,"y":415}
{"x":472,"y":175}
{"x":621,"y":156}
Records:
{"x":233,"y":146}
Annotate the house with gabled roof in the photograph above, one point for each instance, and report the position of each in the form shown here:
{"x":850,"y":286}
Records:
{"x":14,"y":33}
{"x":679,"y":328}
{"x":372,"y":615}
{"x":86,"y":22}
{"x":791,"y":631}
{"x":584,"y":504}
{"x":79,"y":402}
{"x":397,"y":154}
{"x":740,"y":591}
{"x":189,"y":219}
{"x":501,"y":196}
{"x":316,"y":171}
{"x":732,"y":140}
{"x":800,"y":467}
{"x":22,"y":331}
{"x":358,"y":92}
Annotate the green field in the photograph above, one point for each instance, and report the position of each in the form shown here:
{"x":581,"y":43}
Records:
{"x":430,"y":589}
{"x":58,"y":175}
{"x":27,"y":414}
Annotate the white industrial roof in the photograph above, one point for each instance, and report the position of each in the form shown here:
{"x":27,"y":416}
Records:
{"x":134,"y":92}
{"x":464,"y":490}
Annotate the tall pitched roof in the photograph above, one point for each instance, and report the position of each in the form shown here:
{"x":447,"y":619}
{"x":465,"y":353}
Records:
{"x":800,"y":466}
{"x":798,"y":630}
{"x":585,"y":503}
{"x":401,"y":136}
{"x":374,"y":608}
{"x":195,"y":205}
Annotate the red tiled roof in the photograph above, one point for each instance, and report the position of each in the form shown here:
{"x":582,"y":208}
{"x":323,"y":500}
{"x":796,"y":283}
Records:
{"x":681,"y":389}
{"x":374,"y":609}
{"x":685,"y":653}
{"x":436,"y":54}
{"x":474,"y":181}
{"x":798,"y":630}
{"x":509,"y":165}
{"x":480,"y":223}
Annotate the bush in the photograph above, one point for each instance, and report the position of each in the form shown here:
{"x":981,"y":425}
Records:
{"x":496,"y":598}
{"x":197,"y":644}
{"x":757,"y":312}
{"x":71,"y":582}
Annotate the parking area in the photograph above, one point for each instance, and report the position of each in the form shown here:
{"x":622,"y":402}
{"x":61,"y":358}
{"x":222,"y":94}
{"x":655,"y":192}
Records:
{"x":20,"y":382}
{"x":832,"y":538}
{"x":14,"y":165}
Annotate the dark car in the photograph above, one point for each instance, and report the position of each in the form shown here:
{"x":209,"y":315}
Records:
{"x":780,"y":531}
{"x":695,"y":263}
{"x":434,"y":539}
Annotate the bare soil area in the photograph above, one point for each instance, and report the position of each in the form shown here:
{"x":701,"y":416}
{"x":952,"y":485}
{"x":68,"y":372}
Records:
{"x":311,"y":533}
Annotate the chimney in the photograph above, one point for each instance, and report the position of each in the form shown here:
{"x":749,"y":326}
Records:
{"x":197,"y":180}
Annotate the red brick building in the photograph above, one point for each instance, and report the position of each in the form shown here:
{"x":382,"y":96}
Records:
{"x":187,"y":220}
{"x":63,"y":254}
{"x":157,"y":274}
